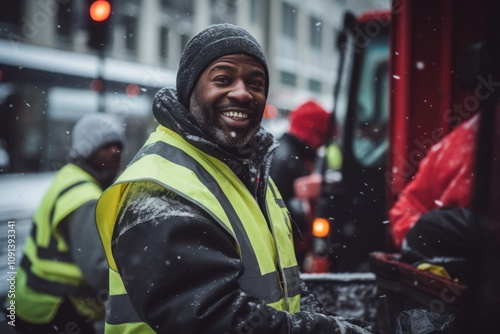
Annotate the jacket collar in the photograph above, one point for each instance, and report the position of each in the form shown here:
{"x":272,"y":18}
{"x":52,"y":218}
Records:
{"x":251,"y":165}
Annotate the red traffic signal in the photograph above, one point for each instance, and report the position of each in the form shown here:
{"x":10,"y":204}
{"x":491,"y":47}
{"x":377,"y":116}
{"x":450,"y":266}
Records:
{"x":100,"y":10}
{"x":99,"y":23}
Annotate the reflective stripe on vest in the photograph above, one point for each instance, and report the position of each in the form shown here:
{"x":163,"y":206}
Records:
{"x":209,"y":183}
{"x":47,"y":272}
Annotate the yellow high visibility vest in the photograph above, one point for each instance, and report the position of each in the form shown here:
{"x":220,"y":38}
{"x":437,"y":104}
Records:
{"x":47,"y":272}
{"x":266,"y":250}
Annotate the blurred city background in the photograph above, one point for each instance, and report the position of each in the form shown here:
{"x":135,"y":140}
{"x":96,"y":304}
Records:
{"x":57,"y":64}
{"x":396,"y":85}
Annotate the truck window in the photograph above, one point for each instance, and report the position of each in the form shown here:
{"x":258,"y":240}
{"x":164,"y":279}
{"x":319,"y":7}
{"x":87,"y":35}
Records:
{"x":370,"y":123}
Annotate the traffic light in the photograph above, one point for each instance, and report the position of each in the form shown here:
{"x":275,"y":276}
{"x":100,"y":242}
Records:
{"x":99,"y":23}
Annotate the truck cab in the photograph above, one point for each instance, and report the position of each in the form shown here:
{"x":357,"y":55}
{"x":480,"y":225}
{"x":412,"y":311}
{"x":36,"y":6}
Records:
{"x":348,"y":198}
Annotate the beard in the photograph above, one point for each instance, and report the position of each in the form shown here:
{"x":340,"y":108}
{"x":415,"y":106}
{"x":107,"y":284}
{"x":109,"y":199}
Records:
{"x":209,"y":124}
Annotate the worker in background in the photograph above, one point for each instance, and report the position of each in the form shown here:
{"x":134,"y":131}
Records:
{"x":296,"y":157}
{"x":63,"y":278}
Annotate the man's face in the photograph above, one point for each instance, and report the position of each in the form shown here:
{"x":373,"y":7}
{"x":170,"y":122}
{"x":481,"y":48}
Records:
{"x":107,"y":159}
{"x":228,"y":100}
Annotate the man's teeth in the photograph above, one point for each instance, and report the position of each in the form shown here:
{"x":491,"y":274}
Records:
{"x":234,"y":114}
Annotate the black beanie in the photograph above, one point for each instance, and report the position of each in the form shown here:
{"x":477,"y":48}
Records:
{"x":211,"y":43}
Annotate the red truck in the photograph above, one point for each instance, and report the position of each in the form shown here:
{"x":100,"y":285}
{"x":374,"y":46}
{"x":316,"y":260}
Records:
{"x":442,"y":67}
{"x":443,"y":71}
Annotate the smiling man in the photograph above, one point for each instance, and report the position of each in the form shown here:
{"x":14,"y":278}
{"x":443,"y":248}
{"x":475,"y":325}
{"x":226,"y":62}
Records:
{"x":195,"y":232}
{"x":229,"y":99}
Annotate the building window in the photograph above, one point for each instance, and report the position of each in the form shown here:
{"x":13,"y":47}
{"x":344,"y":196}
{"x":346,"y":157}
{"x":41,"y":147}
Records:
{"x":65,"y":19}
{"x":184,"y":40}
{"x":223,"y":11}
{"x":315,"y":32}
{"x":164,"y":43}
{"x":11,"y":12}
{"x":130,"y":24}
{"x":287,"y":78}
{"x":315,"y":85}
{"x":289,"y":22}
{"x":255,"y":11}
{"x":179,"y":6}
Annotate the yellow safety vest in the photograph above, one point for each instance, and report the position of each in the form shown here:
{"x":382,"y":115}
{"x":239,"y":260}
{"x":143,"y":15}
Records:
{"x":266,"y":250}
{"x":47,"y":272}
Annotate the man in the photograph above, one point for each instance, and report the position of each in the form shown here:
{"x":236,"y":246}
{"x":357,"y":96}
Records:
{"x":299,"y":146}
{"x":63,"y":277}
{"x":196,"y":234}
{"x":295,"y":158}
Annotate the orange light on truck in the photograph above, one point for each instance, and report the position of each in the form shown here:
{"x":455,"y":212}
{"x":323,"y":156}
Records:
{"x":320,"y":227}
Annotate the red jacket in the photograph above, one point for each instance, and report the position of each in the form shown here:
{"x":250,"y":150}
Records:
{"x":444,"y":178}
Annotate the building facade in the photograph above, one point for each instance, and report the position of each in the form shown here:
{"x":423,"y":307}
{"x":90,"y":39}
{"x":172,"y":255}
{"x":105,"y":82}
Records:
{"x":298,"y":36}
{"x":46,"y":63}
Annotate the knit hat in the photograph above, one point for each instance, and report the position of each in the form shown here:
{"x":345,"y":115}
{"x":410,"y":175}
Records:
{"x":309,"y":122}
{"x":215,"y":41}
{"x":94,"y":131}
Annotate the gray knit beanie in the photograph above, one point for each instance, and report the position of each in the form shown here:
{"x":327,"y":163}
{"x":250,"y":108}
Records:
{"x":94,"y":131}
{"x":215,"y":41}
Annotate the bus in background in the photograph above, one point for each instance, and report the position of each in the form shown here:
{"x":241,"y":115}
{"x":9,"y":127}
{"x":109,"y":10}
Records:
{"x":43,"y":91}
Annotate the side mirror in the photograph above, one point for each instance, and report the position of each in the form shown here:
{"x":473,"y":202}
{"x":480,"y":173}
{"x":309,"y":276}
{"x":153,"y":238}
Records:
{"x":350,"y":21}
{"x":349,"y":24}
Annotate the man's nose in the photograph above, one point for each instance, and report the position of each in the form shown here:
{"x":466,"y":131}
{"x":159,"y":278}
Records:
{"x":239,"y":91}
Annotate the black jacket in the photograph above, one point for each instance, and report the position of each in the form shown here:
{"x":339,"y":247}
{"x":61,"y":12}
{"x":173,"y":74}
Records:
{"x":180,"y":268}
{"x":292,"y":160}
